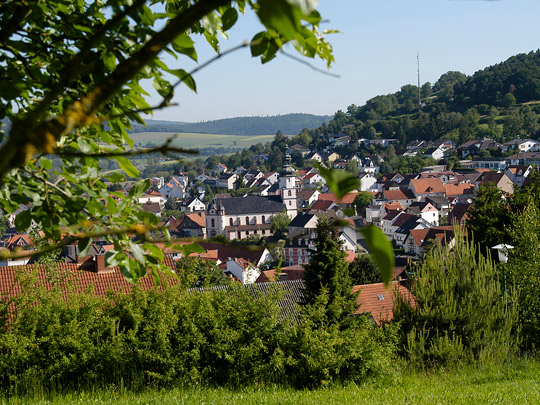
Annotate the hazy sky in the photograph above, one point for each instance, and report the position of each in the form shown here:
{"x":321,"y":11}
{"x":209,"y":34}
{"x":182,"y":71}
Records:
{"x":375,"y":54}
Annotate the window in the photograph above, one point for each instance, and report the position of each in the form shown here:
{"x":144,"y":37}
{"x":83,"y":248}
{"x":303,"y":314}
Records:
{"x":255,"y":220}
{"x":263,"y":219}
{"x":290,"y":193}
{"x":247,"y":220}
{"x":213,"y":222}
{"x":231,"y":222}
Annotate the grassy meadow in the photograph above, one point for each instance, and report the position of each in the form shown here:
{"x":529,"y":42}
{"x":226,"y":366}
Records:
{"x":515,"y":382}
{"x":199,"y":141}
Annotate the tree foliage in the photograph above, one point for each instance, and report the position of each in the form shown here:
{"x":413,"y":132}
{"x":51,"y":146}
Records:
{"x":71,"y":86}
{"x":459,"y":309}
{"x":328,"y":273}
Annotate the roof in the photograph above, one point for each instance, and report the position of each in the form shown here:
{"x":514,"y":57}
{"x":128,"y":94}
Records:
{"x":301,"y":219}
{"x":251,"y":204}
{"x":322,"y":205}
{"x":99,"y":283}
{"x":422,"y":236}
{"x":398,"y":194}
{"x":458,"y":189}
{"x":346,"y":199}
{"x":151,"y":207}
{"x":198,"y":218}
{"x":459,"y":213}
{"x":428,"y":186}
{"x":225,"y":251}
{"x":378,"y":300}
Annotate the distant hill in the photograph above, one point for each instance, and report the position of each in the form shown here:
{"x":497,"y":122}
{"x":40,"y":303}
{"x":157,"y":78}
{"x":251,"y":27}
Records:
{"x":289,"y":124}
{"x":500,"y":102}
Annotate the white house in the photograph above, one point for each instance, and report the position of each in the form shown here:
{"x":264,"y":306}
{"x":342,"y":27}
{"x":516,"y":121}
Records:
{"x":227,"y":181}
{"x":193,"y":204}
{"x":368,"y":182}
{"x":243,"y":270}
{"x":175,"y":188}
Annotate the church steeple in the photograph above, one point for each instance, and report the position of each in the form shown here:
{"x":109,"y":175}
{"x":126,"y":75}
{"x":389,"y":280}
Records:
{"x":287,"y":185}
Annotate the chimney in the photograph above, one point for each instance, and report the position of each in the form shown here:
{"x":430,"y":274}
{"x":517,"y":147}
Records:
{"x":94,"y":264}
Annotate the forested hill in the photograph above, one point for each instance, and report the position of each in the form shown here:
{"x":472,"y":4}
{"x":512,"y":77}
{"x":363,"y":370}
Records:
{"x":287,"y":124}
{"x":500,"y":101}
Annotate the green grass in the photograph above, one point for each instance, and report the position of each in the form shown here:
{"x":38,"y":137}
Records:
{"x":195,"y":140}
{"x":516,"y":382}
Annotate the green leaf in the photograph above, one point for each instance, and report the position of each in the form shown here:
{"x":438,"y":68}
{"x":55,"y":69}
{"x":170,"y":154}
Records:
{"x":127,"y":166}
{"x":190,"y":248}
{"x":137,"y":253}
{"x":23,"y":221}
{"x":184,"y":44}
{"x":281,"y":16}
{"x":229,"y":18}
{"x":139,"y":188}
{"x":381,"y":251}
{"x":185,"y":77}
{"x":45,"y":163}
{"x":116,"y":177}
{"x":113,"y":258}
{"x":338,"y":181}
{"x":84,"y":245}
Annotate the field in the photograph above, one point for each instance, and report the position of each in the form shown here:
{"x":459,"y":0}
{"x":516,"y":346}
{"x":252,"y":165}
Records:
{"x":200,"y":141}
{"x":517,"y":382}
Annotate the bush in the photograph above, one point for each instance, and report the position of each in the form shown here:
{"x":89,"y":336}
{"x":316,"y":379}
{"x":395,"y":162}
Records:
{"x":169,"y":337}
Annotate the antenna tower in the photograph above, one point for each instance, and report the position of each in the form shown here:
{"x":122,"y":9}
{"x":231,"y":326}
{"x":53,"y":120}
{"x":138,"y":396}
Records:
{"x":418,"y":72}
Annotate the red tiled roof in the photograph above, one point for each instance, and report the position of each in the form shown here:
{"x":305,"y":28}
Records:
{"x":381,"y":310}
{"x":346,"y":199}
{"x":99,"y":283}
{"x":428,"y":186}
{"x":458,"y":189}
{"x":199,"y":218}
{"x":322,"y":205}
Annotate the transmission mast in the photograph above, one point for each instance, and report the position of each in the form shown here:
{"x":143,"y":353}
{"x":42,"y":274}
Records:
{"x":418,"y":73}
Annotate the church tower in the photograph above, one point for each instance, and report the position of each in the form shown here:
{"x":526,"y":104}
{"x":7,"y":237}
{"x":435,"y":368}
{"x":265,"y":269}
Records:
{"x":287,"y":187}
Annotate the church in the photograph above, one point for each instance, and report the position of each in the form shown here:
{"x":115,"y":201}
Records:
{"x":242,"y":217}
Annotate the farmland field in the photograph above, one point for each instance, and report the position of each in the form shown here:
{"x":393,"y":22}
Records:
{"x":200,"y":141}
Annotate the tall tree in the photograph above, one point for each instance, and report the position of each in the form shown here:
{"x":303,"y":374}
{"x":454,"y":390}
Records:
{"x":328,"y":273}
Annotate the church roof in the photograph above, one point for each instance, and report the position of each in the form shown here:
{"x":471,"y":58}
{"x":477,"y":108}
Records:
{"x":251,"y":204}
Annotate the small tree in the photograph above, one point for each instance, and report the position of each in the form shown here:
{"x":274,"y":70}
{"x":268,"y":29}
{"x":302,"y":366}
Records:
{"x":459,"y":309}
{"x":328,"y":273}
{"x":195,"y":272}
{"x":361,"y":201}
{"x":280,"y":225}
{"x":364,"y":271}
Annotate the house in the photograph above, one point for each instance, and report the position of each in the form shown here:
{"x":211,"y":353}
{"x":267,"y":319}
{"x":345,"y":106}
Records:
{"x":193,"y":204}
{"x":298,"y":149}
{"x":518,"y":174}
{"x":255,"y":256}
{"x":220,"y":168}
{"x":154,"y":208}
{"x":400,"y":235}
{"x":427,"y":187}
{"x":175,"y":188}
{"x":312,"y":180}
{"x":306,"y":198}
{"x":154,"y":197}
{"x":419,"y":240}
{"x":425,"y":210}
{"x":369,"y":165}
{"x":368,"y":182}
{"x":459,"y":213}
{"x":501,"y":180}
{"x":286,"y":273}
{"x":193,"y":225}
{"x":524,"y":158}
{"x":242,"y":270}
{"x":226,"y":181}
{"x":434,"y":153}
{"x":522,"y":145}
{"x":315,"y":156}
{"x":403,"y":196}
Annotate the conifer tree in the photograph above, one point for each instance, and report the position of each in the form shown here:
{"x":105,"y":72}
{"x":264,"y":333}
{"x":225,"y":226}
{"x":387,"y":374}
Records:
{"x":459,"y":309}
{"x":328,"y":273}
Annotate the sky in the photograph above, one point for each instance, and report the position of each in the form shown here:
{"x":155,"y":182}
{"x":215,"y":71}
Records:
{"x":375,"y":51}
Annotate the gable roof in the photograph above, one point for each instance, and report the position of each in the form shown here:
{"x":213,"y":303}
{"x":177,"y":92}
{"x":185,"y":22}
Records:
{"x":428,"y":186}
{"x":346,"y":199}
{"x":301,"y":219}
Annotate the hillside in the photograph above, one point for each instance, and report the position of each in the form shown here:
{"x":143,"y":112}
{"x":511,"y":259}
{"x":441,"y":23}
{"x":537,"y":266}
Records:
{"x":499,"y":102}
{"x":288,"y":124}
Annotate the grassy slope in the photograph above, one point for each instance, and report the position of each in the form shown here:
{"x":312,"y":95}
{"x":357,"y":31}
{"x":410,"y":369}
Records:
{"x":518,"y":382}
{"x":194,"y":140}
